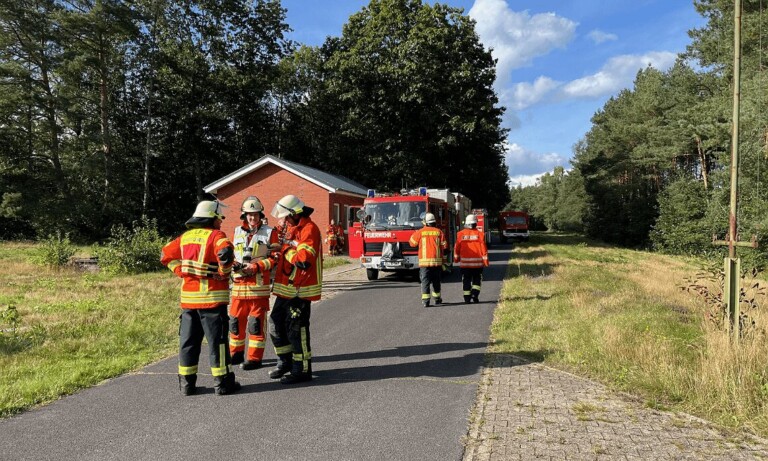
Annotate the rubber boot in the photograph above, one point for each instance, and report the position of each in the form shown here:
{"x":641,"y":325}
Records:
{"x":467,"y":299}
{"x":225,"y":385}
{"x":284,"y":364}
{"x":238,"y":358}
{"x":298,"y":375}
{"x":438,"y":300}
{"x":251,"y":365}
{"x":187,"y":384}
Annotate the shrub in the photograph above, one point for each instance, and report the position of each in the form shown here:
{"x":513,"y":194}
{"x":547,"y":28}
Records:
{"x":54,"y":251}
{"x":131,"y":251}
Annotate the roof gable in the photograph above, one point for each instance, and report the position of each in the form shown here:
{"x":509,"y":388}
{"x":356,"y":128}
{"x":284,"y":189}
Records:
{"x":328,"y":181}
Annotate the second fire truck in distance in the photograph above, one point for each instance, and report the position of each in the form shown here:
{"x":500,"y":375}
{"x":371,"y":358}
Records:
{"x":387,"y":221}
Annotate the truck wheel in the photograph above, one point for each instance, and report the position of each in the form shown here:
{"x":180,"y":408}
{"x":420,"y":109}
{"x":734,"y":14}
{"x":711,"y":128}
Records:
{"x":372,"y":274}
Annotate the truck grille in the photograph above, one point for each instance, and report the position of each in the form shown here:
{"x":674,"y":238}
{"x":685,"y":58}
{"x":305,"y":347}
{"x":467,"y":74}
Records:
{"x":373,"y":247}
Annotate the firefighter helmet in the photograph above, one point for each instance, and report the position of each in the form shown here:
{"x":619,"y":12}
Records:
{"x":290,"y":205}
{"x":470,"y":220}
{"x":429,"y":218}
{"x":251,"y":205}
{"x":208,"y":209}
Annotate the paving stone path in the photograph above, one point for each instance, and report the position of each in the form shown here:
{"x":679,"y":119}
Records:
{"x":528,"y":411}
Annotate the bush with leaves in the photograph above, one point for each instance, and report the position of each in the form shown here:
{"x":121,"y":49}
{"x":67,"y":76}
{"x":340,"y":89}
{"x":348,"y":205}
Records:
{"x":131,"y":251}
{"x":54,"y":251}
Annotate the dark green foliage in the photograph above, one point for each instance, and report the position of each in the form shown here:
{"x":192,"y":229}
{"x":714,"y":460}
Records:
{"x":131,"y":251}
{"x":683,"y":226}
{"x":557,"y":202}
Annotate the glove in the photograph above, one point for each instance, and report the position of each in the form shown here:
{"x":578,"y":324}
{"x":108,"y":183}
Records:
{"x":303,"y":265}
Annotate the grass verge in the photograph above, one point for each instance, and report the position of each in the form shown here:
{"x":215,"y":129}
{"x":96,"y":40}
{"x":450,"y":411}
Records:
{"x":621,"y":317}
{"x":64,"y":330}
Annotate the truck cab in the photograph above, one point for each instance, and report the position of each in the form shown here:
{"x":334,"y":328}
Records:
{"x":513,"y":225}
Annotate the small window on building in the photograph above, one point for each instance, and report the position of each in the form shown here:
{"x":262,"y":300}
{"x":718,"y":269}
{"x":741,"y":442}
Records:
{"x":336,"y":215}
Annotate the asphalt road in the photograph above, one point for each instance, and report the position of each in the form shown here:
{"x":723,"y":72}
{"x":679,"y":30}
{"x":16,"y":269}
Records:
{"x":392,"y":381}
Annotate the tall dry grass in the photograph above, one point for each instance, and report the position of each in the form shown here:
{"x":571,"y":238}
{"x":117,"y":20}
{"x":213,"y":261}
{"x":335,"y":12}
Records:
{"x":625,"y":318}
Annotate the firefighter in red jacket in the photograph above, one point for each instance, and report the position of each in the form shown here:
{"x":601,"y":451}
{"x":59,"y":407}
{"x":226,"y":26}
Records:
{"x":332,"y":238}
{"x":471,"y":253}
{"x":432,"y":260}
{"x":250,"y":288}
{"x":298,"y":282}
{"x":203,"y":257}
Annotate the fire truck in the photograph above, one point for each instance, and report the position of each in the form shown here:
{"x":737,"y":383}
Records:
{"x":387,"y":221}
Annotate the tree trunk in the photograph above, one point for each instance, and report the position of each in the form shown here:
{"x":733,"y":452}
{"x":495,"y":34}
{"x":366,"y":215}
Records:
{"x":703,"y":160}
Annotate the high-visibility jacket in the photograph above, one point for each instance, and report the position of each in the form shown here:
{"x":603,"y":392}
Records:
{"x":432,"y":245}
{"x":331,"y":234}
{"x":305,"y":246}
{"x":203,"y":258}
{"x":247,"y":241}
{"x":470,"y":250}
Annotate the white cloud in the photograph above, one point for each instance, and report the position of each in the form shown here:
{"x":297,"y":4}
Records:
{"x":517,"y":37}
{"x":525,"y":180}
{"x":618,"y":73}
{"x":522,"y":162}
{"x":525,"y":94}
{"x":598,"y":36}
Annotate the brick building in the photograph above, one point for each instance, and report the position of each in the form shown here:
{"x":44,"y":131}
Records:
{"x":270,"y":178}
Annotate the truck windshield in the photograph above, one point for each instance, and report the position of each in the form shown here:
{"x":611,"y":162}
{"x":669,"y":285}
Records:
{"x":394,"y":215}
{"x":515,"y":221}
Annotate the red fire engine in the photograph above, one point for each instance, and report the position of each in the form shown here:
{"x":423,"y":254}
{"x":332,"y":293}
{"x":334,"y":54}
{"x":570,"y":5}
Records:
{"x":387,"y":221}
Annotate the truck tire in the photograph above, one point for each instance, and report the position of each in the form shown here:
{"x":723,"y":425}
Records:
{"x":372,"y":274}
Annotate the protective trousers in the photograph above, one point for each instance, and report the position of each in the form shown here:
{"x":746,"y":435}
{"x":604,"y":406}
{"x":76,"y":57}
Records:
{"x":248,"y":316}
{"x":472,"y":280}
{"x":194,"y":324}
{"x":289,"y":331}
{"x":430,"y":276}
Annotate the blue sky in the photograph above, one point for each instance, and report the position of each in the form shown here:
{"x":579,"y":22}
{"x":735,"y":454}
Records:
{"x":558,"y":61}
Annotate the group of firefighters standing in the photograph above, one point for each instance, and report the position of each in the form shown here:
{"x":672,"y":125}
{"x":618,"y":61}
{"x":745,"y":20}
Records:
{"x":207,"y":260}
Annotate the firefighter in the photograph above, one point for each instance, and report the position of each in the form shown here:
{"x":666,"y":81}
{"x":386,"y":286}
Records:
{"x":298,"y":282}
{"x":332,"y":238}
{"x":471,"y":253}
{"x":203,"y":257}
{"x":432,"y":261}
{"x":250,"y":288}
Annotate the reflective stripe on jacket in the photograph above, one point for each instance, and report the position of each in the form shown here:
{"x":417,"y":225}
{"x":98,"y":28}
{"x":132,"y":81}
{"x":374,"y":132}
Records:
{"x":432,"y":245}
{"x":256,"y":285}
{"x":470,"y":250}
{"x":306,"y":247}
{"x":194,"y":256}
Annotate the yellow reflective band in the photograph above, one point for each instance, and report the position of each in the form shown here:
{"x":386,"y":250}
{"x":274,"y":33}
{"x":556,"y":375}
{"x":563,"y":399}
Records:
{"x":186,"y":371}
{"x":435,"y":295}
{"x":174,"y":264}
{"x":308,"y":248}
{"x":305,"y":349}
{"x":221,"y":241}
{"x":256,"y":344}
{"x":425,"y":296}
{"x":476,"y":287}
{"x":467,"y":293}
{"x":290,"y":255}
{"x":234,"y":342}
{"x":283,"y":349}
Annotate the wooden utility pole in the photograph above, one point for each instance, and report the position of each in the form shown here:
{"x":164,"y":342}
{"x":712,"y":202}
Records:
{"x":732,"y":289}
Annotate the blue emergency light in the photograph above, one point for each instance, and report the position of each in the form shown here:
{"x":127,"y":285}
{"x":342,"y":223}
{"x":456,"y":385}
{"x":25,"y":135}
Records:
{"x":371,"y":193}
{"x":422,"y":191}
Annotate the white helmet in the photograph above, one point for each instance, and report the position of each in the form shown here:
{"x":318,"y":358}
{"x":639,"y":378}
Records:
{"x":208,"y":209}
{"x":251,"y":205}
{"x":471,"y":219}
{"x":429,"y":218}
{"x":287,"y":206}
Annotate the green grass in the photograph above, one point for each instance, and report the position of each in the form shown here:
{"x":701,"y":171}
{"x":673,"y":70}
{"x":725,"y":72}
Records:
{"x":620,"y":316}
{"x":329,"y":262}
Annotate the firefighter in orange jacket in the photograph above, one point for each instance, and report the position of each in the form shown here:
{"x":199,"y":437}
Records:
{"x":432,"y":245}
{"x":332,"y":238}
{"x":298,"y":282}
{"x":471,"y":253}
{"x":250,"y":288}
{"x":203,"y":257}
